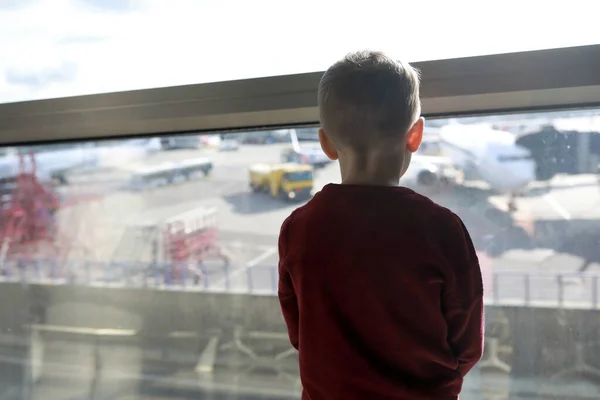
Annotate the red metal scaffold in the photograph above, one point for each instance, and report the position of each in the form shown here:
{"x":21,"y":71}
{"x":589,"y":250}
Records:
{"x":28,"y":219}
{"x":28,"y":213}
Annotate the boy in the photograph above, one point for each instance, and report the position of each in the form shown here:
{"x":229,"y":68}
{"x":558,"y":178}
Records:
{"x":380,"y":287}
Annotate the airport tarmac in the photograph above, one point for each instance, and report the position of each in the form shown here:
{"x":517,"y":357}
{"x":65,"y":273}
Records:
{"x":553,"y":232}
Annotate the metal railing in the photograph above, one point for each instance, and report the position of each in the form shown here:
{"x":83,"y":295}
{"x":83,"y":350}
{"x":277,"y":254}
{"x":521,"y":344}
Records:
{"x":516,"y":288}
{"x":544,"y":289}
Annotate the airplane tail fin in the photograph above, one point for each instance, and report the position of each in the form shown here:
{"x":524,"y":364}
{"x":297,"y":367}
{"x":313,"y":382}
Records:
{"x":295,"y":142}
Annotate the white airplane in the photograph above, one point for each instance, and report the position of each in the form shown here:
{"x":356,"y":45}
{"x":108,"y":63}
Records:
{"x":53,"y":162}
{"x":478,"y":152}
{"x":307,"y":154}
{"x":425,"y":171}
{"x":491,"y":155}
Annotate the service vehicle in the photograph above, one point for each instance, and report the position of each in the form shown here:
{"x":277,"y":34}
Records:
{"x":169,"y":172}
{"x":289,"y":181}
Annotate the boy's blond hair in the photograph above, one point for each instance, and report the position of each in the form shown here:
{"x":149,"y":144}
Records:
{"x":368,"y":99}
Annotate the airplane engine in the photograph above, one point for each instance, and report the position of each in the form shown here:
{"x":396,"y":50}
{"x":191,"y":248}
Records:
{"x":426,"y":177}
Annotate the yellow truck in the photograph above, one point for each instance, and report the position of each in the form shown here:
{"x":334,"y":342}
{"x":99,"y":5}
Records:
{"x":287,"y":181}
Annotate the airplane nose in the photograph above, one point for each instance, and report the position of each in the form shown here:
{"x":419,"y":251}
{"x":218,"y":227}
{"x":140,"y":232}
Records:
{"x":531,"y":171}
{"x":524,"y":173}
{"x":510,"y":176}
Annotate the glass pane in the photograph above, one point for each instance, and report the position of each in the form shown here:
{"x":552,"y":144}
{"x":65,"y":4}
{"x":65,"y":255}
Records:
{"x":53,"y":48}
{"x":147,"y":268}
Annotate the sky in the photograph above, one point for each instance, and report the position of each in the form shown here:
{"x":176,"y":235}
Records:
{"x":57,"y":48}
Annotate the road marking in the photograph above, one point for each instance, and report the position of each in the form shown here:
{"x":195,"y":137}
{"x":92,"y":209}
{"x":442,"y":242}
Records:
{"x":560,"y":210}
{"x":263,"y":256}
{"x":237,"y":245}
{"x":250,"y":264}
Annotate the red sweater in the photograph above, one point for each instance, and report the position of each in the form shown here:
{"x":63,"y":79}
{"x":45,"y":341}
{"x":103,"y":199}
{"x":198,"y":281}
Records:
{"x":382,"y":294}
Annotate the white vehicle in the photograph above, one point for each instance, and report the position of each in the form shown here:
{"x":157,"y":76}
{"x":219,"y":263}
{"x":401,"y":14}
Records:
{"x":169,"y":172}
{"x":493,"y":156}
{"x":153,"y":176}
{"x":229,"y":145}
{"x":194,"y":167}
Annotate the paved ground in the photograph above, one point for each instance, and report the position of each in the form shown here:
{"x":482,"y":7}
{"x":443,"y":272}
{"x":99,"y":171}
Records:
{"x":554,"y":232}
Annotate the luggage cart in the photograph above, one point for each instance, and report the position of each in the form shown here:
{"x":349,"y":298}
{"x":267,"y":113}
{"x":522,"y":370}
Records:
{"x":171,"y":249}
{"x":191,"y":238}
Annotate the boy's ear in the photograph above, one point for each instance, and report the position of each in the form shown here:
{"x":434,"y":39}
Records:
{"x":328,"y":147}
{"x":415,"y":135}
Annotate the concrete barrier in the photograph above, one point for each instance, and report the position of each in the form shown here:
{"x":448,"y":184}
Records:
{"x":213,"y":336}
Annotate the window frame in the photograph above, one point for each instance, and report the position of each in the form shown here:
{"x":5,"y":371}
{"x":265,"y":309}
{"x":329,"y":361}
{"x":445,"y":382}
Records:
{"x":531,"y":80}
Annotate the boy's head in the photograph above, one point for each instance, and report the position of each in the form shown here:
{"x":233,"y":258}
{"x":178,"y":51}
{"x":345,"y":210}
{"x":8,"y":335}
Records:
{"x":370,"y":110}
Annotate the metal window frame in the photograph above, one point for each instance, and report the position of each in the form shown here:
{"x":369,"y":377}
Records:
{"x":532,"y":80}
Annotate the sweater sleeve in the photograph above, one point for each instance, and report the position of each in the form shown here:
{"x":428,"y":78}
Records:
{"x":286,"y":293}
{"x":463,"y":298}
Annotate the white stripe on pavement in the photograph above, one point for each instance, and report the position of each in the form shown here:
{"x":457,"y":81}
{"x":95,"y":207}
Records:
{"x":560,"y":210}
{"x":261,"y":257}
{"x":252,"y":263}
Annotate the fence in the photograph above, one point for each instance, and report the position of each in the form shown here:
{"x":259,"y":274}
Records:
{"x":510,"y":288}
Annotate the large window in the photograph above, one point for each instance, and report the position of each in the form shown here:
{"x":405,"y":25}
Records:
{"x":72,"y":47}
{"x":145,"y":270}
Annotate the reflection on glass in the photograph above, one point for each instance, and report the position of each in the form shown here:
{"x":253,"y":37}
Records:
{"x":148,"y":268}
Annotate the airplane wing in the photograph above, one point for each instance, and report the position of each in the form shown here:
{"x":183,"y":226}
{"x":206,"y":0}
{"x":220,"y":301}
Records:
{"x":437,"y":161}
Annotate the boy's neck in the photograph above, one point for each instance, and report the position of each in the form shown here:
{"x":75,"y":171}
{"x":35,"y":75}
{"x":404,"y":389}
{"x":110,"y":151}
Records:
{"x":369,"y":180}
{"x":375,"y":172}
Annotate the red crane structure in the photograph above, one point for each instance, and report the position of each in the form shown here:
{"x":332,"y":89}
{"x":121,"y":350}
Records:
{"x":29,"y":224}
{"x":28,"y":213}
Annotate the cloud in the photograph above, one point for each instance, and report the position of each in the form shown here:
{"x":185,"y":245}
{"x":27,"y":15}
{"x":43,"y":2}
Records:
{"x":109,"y":5}
{"x":115,"y":45}
{"x":14,"y":4}
{"x":64,"y":73}
{"x":80,"y":40}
